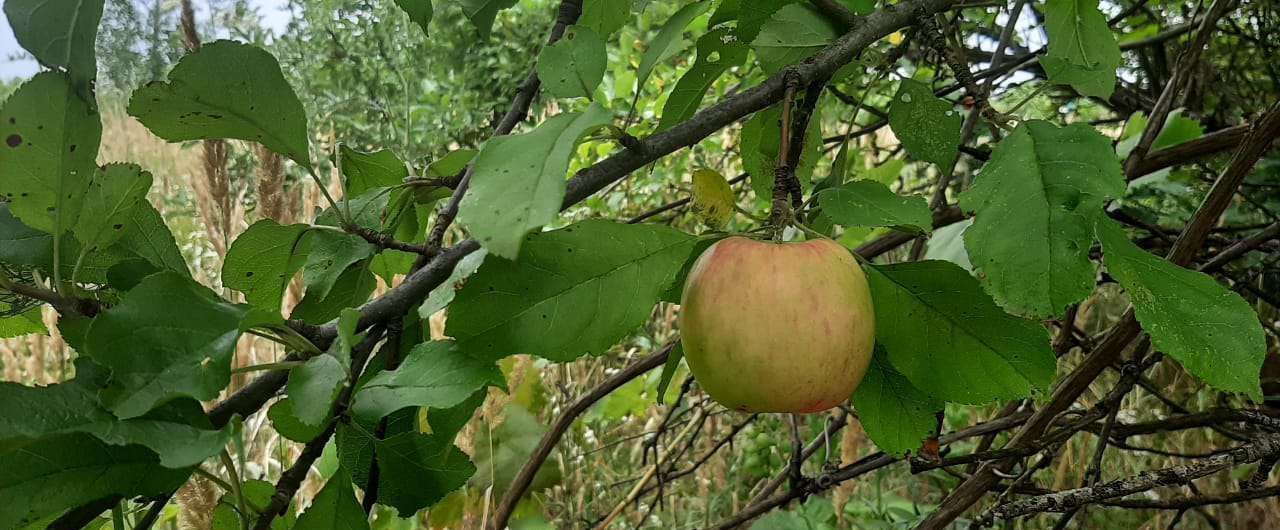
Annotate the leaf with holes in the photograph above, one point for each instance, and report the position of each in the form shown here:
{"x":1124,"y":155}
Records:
{"x":109,"y":203}
{"x":519,"y":180}
{"x":897,"y":416}
{"x":169,"y":337}
{"x":870,"y":203}
{"x":945,"y":335}
{"x":927,"y":126}
{"x":226,"y":90}
{"x":574,"y":291}
{"x":1082,"y":52}
{"x":718,"y":51}
{"x":574,"y":65}
{"x":1209,"y":329}
{"x":262,"y":260}
{"x":50,"y":140}
{"x":1048,"y":182}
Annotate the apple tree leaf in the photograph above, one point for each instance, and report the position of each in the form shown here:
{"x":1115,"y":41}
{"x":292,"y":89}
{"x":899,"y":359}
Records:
{"x":1209,"y":329}
{"x":50,"y":140}
{"x":573,"y":66}
{"x":791,"y":35}
{"x":574,"y":291}
{"x":718,"y":51}
{"x":366,"y":171}
{"x":870,"y":203}
{"x":897,"y":416}
{"x":435,"y":374}
{"x":419,"y":12}
{"x":417,"y":470}
{"x":226,"y":89}
{"x":1082,"y":52}
{"x":666,"y":42}
{"x":605,"y":16}
{"x":482,"y":12}
{"x":59,"y":33}
{"x":335,"y":507}
{"x":261,"y":261}
{"x":927,"y":125}
{"x":519,"y":180}
{"x":109,"y":203}
{"x":43,"y":477}
{"x":168,"y":337}
{"x":947,"y":337}
{"x":1048,"y":182}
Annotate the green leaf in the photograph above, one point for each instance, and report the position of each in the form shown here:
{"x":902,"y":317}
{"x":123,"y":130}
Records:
{"x":575,"y":291}
{"x":452,"y":163}
{"x":605,"y":16}
{"x":50,"y":140}
{"x":669,"y":369}
{"x":178,"y":431}
{"x":329,"y":255}
{"x":791,"y":35}
{"x":261,"y":262}
{"x":948,"y":337}
{"x":419,"y":12}
{"x":47,"y":476}
{"x":897,"y":416}
{"x":226,"y":90}
{"x":445,"y":422}
{"x":927,"y":126}
{"x":418,"y":470}
{"x":169,"y":337}
{"x":287,"y":423}
{"x":1049,"y":182}
{"x":518,"y":181}
{"x":147,"y":236}
{"x":23,"y":246}
{"x":434,"y":374}
{"x":884,"y":173}
{"x":354,"y":443}
{"x":443,"y":294}
{"x":366,"y":171}
{"x":115,"y":191}
{"x":25,"y":323}
{"x":870,"y":203}
{"x":335,"y":507}
{"x":314,"y":386}
{"x":718,"y":51}
{"x":760,"y":138}
{"x":665,"y":43}
{"x":1209,"y":329}
{"x":352,"y":289}
{"x":573,"y":66}
{"x":503,"y":450}
{"x":482,"y":12}
{"x":59,"y":33}
{"x":1082,"y":52}
{"x":753,"y":14}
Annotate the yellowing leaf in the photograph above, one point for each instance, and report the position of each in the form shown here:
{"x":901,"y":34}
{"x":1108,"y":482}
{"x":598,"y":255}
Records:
{"x":712,"y":198}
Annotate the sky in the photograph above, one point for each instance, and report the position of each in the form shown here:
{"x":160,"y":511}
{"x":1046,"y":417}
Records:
{"x":274,"y":17}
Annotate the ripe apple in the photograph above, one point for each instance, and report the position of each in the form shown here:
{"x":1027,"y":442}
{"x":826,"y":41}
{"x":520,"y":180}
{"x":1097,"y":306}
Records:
{"x":777,"y":327}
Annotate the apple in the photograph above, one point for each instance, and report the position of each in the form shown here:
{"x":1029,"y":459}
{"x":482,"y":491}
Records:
{"x":777,"y":327}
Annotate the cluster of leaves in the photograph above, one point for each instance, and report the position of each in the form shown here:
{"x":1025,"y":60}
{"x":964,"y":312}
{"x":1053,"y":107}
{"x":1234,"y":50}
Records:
{"x":157,"y":342}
